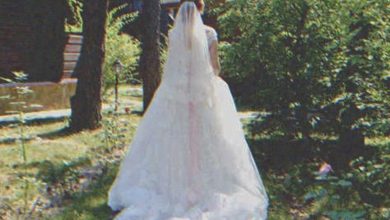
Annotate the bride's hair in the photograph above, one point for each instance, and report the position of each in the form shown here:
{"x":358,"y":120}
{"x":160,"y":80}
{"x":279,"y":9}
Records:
{"x":199,"y":4}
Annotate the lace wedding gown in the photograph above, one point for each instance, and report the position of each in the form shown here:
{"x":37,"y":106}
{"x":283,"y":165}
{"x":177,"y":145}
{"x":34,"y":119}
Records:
{"x":189,"y":159}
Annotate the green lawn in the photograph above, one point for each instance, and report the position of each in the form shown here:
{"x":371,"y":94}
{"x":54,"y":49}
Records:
{"x":48,"y":147}
{"x":67,"y":176}
{"x":55,"y":158}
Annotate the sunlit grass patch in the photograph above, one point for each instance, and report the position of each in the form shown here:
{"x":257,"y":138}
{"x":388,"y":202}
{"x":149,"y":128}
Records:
{"x":55,"y":159}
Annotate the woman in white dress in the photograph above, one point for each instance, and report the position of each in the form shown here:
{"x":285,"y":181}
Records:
{"x":189,"y":159}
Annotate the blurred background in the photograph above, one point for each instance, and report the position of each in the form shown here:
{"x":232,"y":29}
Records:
{"x":310,"y":78}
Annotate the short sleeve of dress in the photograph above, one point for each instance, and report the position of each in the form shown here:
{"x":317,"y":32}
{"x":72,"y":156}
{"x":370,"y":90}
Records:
{"x":211,"y":35}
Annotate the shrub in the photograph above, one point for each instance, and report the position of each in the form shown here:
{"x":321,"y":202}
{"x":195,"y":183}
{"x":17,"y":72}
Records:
{"x":120,"y":47}
{"x":313,"y":65}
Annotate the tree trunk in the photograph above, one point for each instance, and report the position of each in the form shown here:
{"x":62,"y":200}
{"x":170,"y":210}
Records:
{"x":150,"y":57}
{"x":351,"y":141}
{"x":86,"y":103}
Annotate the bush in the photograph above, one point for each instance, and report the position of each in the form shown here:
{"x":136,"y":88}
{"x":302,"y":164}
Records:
{"x":120,"y":47}
{"x":372,"y":178}
{"x":315,"y":66}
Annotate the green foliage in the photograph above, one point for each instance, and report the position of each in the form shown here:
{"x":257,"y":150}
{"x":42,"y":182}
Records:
{"x":309,"y":62}
{"x":74,"y":21}
{"x":120,"y":47}
{"x":113,"y":136}
{"x":346,"y":197}
{"x":372,"y":177}
{"x":298,"y":191}
{"x":335,"y":198}
{"x":317,"y":68}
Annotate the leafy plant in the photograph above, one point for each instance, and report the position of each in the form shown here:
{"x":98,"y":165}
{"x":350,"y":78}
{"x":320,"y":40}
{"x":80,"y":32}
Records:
{"x":372,"y":178}
{"x":315,"y":66}
{"x":74,"y":21}
{"x":120,"y":47}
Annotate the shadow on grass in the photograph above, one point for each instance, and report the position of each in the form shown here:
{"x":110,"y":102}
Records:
{"x":90,"y":204}
{"x":280,"y":155}
{"x":59,"y":133}
{"x":62,"y":132}
{"x":289,"y":168}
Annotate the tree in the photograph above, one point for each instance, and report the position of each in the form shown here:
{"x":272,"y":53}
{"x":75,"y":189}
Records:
{"x":314,"y":66}
{"x":150,"y":44}
{"x":281,"y":55}
{"x":86,"y":103}
{"x":363,"y":75}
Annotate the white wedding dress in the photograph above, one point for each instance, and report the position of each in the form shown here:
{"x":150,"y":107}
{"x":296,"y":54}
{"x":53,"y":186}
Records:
{"x":189,"y":159}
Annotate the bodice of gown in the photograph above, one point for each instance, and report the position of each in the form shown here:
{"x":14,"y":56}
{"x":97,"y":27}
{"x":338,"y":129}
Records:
{"x":181,"y":86}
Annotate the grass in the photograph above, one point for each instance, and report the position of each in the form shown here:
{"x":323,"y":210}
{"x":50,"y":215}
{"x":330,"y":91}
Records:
{"x":50,"y":148}
{"x":91,"y":204}
{"x":57,"y":159}
{"x":49,"y":145}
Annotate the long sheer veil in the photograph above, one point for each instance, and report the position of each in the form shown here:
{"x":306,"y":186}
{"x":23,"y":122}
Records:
{"x":188,"y":68}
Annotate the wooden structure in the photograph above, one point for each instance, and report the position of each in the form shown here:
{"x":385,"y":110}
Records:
{"x":170,"y":3}
{"x":175,"y":4}
{"x":33,"y":40}
{"x":71,"y":54}
{"x":45,"y":96}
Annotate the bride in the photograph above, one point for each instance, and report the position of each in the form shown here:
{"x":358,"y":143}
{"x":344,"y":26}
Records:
{"x":189,"y":159}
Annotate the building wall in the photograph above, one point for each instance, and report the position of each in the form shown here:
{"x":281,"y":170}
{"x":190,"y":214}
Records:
{"x":15,"y":32}
{"x":32,"y":38}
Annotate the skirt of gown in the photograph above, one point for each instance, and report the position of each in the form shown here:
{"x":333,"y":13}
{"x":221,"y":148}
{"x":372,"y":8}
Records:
{"x":189,"y":161}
